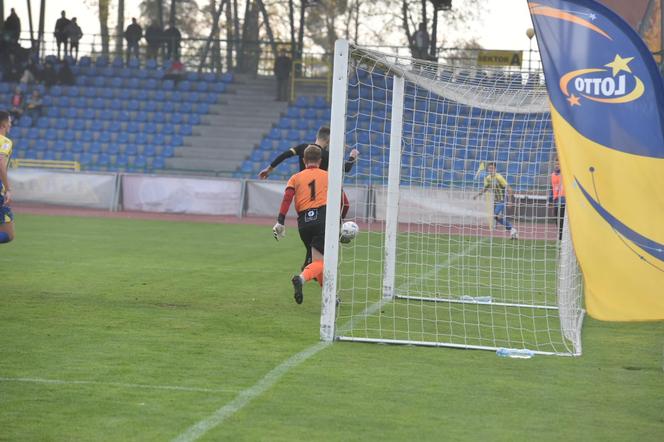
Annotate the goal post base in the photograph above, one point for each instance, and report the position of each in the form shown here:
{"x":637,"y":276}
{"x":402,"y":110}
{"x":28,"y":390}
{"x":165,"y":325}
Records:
{"x":439,"y":344}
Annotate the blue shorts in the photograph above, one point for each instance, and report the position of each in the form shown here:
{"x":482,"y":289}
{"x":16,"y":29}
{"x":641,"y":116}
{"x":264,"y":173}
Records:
{"x":6,"y":215}
{"x":498,"y":208}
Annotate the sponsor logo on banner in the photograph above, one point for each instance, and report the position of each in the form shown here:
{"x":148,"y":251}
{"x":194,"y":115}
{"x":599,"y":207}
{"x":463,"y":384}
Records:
{"x":500,"y":58}
{"x":614,"y":85}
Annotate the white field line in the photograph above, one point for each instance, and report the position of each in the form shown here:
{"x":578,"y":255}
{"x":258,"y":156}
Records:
{"x":117,"y":384}
{"x":265,"y":383}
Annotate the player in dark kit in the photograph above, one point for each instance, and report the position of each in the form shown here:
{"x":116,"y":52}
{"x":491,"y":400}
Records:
{"x":309,"y":189}
{"x":322,"y":141}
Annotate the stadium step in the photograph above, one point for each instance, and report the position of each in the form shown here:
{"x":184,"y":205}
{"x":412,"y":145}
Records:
{"x":232,"y":129}
{"x":202,"y":165}
{"x":211,"y":153}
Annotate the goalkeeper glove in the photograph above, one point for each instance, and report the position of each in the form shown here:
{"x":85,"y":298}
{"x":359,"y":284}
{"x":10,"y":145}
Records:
{"x":278,"y":231}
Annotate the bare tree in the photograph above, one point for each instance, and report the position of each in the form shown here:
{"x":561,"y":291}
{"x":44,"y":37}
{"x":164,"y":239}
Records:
{"x":268,"y":27}
{"x":119,"y":29}
{"x":216,"y":14}
{"x":187,"y":15}
{"x":103,"y":25}
{"x":232,"y":30}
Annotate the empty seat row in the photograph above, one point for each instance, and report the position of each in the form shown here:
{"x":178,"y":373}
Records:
{"x":106,"y":119}
{"x":150,"y":83}
{"x":103,"y":161}
{"x":121,"y":135}
{"x":148,"y":150}
{"x":129,"y":105}
{"x":138,"y":94}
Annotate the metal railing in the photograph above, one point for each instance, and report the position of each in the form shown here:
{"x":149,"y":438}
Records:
{"x":45,"y":164}
{"x":311,"y":71}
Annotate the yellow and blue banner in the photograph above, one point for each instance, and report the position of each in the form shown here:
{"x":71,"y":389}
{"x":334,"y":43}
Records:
{"x":607,"y":107}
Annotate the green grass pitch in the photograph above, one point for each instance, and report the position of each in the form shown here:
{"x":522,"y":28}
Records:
{"x":116,"y":330}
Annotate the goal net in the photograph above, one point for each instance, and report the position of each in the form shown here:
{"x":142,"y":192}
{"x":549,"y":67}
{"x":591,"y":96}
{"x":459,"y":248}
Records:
{"x":438,"y":262}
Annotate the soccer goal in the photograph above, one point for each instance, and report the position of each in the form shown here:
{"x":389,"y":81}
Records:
{"x":436,"y":263}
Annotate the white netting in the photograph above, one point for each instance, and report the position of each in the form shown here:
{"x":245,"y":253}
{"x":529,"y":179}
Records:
{"x":458,"y":279}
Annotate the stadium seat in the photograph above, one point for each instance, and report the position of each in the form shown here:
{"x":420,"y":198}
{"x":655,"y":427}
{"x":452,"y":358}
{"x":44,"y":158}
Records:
{"x":131,"y":149}
{"x":158,"y":163}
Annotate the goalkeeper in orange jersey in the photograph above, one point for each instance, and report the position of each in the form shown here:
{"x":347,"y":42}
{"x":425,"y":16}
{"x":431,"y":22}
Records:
{"x":309,"y":189}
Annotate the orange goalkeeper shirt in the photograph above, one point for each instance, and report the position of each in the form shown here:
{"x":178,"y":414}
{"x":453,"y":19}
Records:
{"x":310,"y":188}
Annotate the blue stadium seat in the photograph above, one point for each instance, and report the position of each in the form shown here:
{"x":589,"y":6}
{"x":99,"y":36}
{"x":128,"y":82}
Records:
{"x":103,"y":161}
{"x":218,"y":88}
{"x":78,"y":147}
{"x":101,"y":62}
{"x":227,"y":77}
{"x":94,"y":147}
{"x":139,"y":163}
{"x":48,"y":155}
{"x":121,"y":161}
{"x":25,"y":121}
{"x":177,"y":140}
{"x":149,"y":150}
{"x":131,"y":149}
{"x":183,"y":129}
{"x":158,"y":163}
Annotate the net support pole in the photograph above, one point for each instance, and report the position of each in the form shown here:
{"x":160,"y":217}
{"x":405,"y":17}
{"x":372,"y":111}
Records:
{"x":393,"y":177}
{"x":335,"y":181}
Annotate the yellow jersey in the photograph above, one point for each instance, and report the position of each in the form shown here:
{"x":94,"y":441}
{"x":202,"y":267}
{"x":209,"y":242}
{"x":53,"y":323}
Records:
{"x":496,"y":184}
{"x":5,"y":151}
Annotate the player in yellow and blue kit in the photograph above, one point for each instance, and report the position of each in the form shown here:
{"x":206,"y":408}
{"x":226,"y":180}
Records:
{"x":496,"y":183}
{"x":6,"y":215}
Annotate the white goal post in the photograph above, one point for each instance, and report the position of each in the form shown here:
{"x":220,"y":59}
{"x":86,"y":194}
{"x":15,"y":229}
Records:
{"x":447,"y":255}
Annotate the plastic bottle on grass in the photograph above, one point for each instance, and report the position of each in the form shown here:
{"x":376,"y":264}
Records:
{"x":516,"y":353}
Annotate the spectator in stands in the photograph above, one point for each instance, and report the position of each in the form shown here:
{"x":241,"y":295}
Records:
{"x":174,"y":72}
{"x":172,"y":38}
{"x":421,"y":43}
{"x":13,"y":27}
{"x":49,"y":75}
{"x":557,"y":197}
{"x":282,"y":70}
{"x":66,"y":75}
{"x":17,"y":105}
{"x":34,"y":106}
{"x":154,"y":37}
{"x":12,"y":70}
{"x":60,"y":32}
{"x":30,"y":74}
{"x":133,"y":35}
{"x":74,"y":34}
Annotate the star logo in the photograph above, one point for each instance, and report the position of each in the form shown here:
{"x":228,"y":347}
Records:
{"x":573,"y":100}
{"x":619,"y":64}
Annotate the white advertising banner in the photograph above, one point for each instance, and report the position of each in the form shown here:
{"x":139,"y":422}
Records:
{"x":264,"y":199}
{"x":434,"y":206}
{"x":77,"y":189}
{"x":182,"y":195}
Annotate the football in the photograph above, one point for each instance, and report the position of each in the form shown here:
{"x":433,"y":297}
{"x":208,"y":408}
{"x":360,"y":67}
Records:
{"x":348,"y":231}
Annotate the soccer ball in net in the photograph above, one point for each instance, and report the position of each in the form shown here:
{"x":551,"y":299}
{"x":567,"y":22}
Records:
{"x":348,"y":231}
